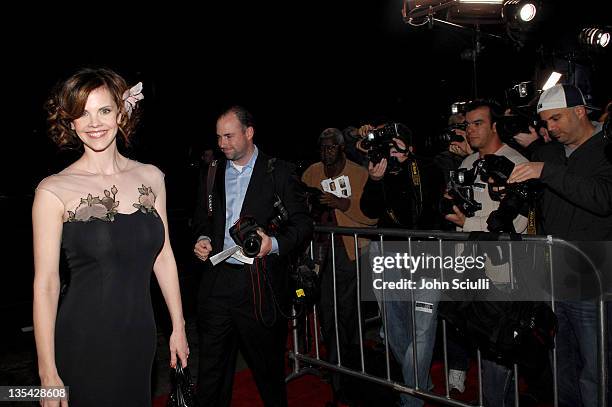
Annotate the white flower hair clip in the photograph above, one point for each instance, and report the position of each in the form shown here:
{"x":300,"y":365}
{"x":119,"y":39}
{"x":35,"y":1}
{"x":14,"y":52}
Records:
{"x":131,"y":97}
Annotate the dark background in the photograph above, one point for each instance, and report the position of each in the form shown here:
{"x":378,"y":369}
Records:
{"x":298,"y":66}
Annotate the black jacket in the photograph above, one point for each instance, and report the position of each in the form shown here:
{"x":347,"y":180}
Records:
{"x":577,"y":201}
{"x":399,"y":194}
{"x":258,"y":202}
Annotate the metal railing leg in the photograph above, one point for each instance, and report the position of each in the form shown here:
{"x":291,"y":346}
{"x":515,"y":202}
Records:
{"x":479,"y":363}
{"x":384,"y":315}
{"x":549,"y":258}
{"x":358,"y":276}
{"x":335,"y":299}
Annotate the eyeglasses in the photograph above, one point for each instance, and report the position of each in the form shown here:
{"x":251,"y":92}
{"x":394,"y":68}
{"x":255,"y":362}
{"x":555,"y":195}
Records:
{"x":329,"y":147}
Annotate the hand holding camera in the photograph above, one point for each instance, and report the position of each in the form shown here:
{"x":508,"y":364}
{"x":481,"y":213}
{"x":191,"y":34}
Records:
{"x":526,"y":171}
{"x":458,"y":143}
{"x":379,"y":143}
{"x":252,"y":238}
{"x":266,"y":244}
{"x":456,"y":216}
{"x":377,"y":171}
{"x":525,"y":139}
{"x":399,"y":150}
{"x":364,"y":130}
{"x":459,"y":198}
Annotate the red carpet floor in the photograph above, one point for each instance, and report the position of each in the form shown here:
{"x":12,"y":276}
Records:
{"x":306,"y":391}
{"x":311,"y":391}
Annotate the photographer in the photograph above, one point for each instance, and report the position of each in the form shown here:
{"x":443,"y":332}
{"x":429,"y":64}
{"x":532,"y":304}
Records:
{"x":449,"y":160}
{"x":238,"y":302}
{"x":453,"y":155}
{"x":576,"y":205}
{"x":483,"y":137}
{"x":481,"y":117}
{"x":401,"y":192}
{"x":333,"y":210}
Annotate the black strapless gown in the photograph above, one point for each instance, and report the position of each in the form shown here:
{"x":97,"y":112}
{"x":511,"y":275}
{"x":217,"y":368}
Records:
{"x":105,"y":334}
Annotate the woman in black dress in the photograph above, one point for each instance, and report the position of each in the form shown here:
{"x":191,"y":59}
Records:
{"x":107,"y":213}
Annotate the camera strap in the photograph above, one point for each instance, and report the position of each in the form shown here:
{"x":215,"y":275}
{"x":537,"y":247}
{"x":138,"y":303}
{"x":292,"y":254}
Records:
{"x":531,"y":221}
{"x":415,"y":174}
{"x":210,"y":182}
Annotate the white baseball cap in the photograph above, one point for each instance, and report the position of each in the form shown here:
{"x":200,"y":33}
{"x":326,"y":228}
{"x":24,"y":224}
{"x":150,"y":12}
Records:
{"x":560,"y":97}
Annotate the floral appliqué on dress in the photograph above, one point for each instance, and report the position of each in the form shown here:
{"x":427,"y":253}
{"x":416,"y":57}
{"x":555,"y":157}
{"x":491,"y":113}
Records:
{"x":106,"y":208}
{"x":146,"y":200}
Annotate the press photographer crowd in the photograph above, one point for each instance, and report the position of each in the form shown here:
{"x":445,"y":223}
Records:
{"x":539,"y":169}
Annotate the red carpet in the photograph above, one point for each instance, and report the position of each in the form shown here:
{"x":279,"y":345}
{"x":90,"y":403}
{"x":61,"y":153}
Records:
{"x":306,"y":391}
{"x":310,"y":391}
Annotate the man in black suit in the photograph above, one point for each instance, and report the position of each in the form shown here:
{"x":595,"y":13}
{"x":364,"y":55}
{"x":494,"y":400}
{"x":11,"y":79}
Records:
{"x":240,"y":304}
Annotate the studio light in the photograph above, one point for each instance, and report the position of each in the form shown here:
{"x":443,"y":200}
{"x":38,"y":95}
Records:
{"x":476,"y":12}
{"x":499,"y":2}
{"x":519,"y":11}
{"x":552,"y":80}
{"x":421,"y":8}
{"x":528,"y":12}
{"x":595,"y":37}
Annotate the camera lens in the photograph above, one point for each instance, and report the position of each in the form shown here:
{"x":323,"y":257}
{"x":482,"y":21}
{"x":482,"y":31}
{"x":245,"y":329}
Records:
{"x":252,"y":245}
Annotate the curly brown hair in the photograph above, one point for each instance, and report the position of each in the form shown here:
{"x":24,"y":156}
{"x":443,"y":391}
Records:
{"x":68,"y":99}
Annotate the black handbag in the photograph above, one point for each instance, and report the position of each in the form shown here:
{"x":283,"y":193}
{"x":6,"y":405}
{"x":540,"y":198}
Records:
{"x":182,"y":393}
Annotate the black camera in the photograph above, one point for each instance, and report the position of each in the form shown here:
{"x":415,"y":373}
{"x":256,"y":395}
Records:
{"x":494,"y":166}
{"x":282,"y":216}
{"x":461,"y":191}
{"x":514,"y":199}
{"x":517,"y":200}
{"x":378,"y":142}
{"x":313,"y":202}
{"x":244,"y":233}
{"x":442,"y":141}
{"x":518,"y":122}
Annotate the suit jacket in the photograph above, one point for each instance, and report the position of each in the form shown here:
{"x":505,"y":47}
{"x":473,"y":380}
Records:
{"x":258,"y":202}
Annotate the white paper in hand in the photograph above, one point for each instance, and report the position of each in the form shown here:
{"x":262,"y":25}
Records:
{"x":340,"y":186}
{"x":241,"y":257}
{"x":234,"y":252}
{"x":221,"y":256}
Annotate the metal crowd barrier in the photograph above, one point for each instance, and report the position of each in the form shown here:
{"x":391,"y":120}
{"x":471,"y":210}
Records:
{"x":307,"y":363}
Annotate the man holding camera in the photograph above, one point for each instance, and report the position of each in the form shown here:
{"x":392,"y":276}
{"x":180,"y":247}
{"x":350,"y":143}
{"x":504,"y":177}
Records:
{"x":240,"y":297}
{"x":576,"y":205}
{"x":402,"y":192}
{"x":340,"y":209}
{"x":481,"y":118}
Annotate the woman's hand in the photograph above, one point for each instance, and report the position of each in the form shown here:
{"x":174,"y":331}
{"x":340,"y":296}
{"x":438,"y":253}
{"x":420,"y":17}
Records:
{"x":52,"y":380}
{"x":178,"y":347}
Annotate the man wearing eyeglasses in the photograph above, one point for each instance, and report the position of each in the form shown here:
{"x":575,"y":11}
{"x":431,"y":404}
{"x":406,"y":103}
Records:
{"x":339,"y":208}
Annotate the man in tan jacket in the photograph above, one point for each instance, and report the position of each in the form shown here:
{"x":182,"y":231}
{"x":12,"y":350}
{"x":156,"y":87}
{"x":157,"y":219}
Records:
{"x":340,"y":208}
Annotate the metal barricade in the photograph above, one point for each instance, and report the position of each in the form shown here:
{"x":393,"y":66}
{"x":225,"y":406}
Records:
{"x":308,"y":362}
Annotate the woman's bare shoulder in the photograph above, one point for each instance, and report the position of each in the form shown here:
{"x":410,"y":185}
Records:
{"x":145,"y":170}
